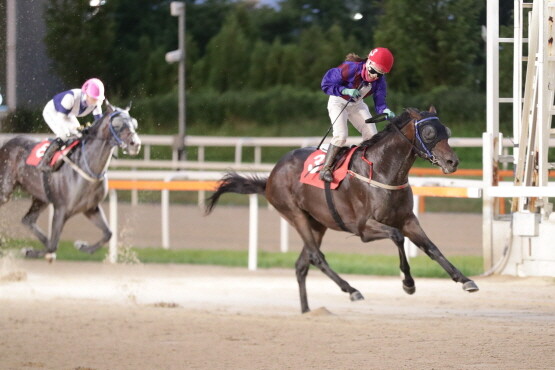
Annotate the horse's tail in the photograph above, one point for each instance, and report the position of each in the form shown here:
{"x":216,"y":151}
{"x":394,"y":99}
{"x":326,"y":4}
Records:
{"x":232,"y":182}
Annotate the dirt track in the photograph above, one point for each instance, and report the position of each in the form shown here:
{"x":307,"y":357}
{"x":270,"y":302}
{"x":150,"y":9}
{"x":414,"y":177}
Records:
{"x":97,"y":316}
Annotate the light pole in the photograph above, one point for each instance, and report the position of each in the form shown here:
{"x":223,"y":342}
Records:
{"x":177,"y":9}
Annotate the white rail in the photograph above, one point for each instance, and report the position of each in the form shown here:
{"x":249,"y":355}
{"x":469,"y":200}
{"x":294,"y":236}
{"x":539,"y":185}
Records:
{"x":239,"y":163}
{"x":474,"y":187}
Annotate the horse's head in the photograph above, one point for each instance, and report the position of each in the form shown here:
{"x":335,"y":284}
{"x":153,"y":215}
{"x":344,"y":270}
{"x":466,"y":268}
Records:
{"x":122,"y":129}
{"x":430,"y":138}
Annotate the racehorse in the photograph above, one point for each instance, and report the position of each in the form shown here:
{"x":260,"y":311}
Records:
{"x":76,"y":187}
{"x":371,"y":208}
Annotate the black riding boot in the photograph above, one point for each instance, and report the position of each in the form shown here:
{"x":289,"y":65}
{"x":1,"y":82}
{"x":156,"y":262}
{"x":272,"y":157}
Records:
{"x":44,"y":164}
{"x":326,"y":173}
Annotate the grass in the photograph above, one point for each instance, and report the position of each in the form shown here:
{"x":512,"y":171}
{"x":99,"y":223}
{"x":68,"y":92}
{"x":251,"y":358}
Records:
{"x":421,"y":266}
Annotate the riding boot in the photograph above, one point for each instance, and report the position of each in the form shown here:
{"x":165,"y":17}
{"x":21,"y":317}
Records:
{"x":326,"y":173}
{"x":44,"y":164}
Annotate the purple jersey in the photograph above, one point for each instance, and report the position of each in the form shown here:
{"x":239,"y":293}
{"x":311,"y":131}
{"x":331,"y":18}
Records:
{"x":348,"y":76}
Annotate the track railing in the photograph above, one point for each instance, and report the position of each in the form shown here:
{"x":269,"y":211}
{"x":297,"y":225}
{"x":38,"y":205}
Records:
{"x":207,"y":181}
{"x":239,"y":163}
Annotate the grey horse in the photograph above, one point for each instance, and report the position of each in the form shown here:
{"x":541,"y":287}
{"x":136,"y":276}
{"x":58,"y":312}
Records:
{"x":78,"y":186}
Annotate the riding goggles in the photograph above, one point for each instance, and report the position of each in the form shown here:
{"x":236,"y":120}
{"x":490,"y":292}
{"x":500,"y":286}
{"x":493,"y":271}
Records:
{"x":372,"y":70}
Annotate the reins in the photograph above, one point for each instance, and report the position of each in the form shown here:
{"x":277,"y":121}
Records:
{"x":88,"y":176}
{"x":87,"y":173}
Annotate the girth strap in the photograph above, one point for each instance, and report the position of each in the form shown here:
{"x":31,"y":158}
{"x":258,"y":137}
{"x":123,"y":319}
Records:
{"x":331,"y":206}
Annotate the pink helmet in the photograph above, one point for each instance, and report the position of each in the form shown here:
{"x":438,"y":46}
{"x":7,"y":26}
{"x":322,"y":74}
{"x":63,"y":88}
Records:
{"x":382,"y":58}
{"x":94,"y":88}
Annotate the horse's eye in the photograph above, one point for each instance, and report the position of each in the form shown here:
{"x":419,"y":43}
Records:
{"x":428,"y":133}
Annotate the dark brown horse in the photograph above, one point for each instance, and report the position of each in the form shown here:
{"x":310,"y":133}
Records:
{"x":371,"y":209}
{"x":77,"y":187}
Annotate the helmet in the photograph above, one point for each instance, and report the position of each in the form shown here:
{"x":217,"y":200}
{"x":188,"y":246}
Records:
{"x":382,"y":58}
{"x":94,"y":88}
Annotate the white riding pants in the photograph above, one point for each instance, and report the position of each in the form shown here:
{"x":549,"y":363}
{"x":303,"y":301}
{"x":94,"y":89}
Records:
{"x":61,"y":124}
{"x":355,"y":112}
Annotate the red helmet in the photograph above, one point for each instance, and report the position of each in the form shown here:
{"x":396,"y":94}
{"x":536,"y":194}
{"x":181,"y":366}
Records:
{"x":94,"y":88}
{"x":382,"y":59}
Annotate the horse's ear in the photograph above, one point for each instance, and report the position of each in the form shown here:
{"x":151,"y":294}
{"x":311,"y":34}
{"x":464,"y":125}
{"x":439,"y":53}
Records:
{"x":129,"y":106}
{"x":110,"y":107}
{"x":432,"y":109}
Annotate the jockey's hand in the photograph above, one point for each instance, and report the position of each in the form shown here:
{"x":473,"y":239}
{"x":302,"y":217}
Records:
{"x":75,"y":133}
{"x":389,"y":113}
{"x":353,"y":93}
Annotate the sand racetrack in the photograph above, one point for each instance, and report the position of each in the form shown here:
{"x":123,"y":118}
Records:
{"x":75,"y":315}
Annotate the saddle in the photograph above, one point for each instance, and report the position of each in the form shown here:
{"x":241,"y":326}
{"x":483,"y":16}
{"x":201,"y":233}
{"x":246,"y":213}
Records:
{"x":34,"y":158}
{"x":315,"y":161}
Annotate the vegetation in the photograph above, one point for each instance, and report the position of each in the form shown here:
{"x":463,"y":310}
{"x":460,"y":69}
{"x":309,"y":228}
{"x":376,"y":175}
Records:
{"x":252,"y":66}
{"x":421,"y":266}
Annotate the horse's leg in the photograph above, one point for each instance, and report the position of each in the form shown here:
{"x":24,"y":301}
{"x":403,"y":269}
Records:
{"x":303,"y":263}
{"x":312,"y":233}
{"x":301,"y":270}
{"x":30,"y":220}
{"x":97,"y":217}
{"x":414,"y":232}
{"x":374,"y":230}
{"x":58,"y":221}
{"x":7,"y":184}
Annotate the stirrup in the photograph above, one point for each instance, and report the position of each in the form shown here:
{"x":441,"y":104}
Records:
{"x":326,"y":175}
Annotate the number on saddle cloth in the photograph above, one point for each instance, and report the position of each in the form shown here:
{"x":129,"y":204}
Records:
{"x":34,"y":158}
{"x":312,"y":165}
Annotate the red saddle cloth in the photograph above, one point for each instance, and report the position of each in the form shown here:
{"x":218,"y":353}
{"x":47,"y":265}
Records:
{"x":313,"y":164}
{"x":38,"y":151}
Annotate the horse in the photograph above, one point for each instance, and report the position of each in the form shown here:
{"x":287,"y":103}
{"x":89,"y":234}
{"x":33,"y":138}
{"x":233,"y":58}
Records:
{"x":370,"y":208}
{"x":76,"y":187}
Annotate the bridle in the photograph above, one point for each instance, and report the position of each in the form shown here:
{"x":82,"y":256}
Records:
{"x":423,"y":146}
{"x":115,"y":135}
{"x":86,"y":172}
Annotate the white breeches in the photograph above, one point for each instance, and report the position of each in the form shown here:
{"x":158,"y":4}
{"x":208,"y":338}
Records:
{"x":62,"y":125}
{"x":357,"y":113}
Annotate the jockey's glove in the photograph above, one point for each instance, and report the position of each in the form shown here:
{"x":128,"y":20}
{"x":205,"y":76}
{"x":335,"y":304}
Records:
{"x":353,"y":93}
{"x":389,"y":113}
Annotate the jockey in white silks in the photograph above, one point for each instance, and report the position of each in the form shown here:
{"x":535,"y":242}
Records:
{"x":62,"y":111}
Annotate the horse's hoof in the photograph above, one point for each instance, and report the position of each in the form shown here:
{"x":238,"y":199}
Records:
{"x":29,"y":253}
{"x":409,"y":289}
{"x":356,"y":296}
{"x":80,"y":245}
{"x":470,"y":286}
{"x":50,"y":257}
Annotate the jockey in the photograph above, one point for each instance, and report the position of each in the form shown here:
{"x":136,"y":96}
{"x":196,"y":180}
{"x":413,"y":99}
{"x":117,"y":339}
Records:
{"x":62,"y":111}
{"x":347,"y":85}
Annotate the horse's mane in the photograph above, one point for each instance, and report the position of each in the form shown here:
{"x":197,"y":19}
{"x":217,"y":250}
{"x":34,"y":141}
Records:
{"x":91,"y":131}
{"x":400,"y":121}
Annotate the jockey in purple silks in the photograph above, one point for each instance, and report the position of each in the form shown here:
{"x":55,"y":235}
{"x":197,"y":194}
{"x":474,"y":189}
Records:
{"x":62,"y":111}
{"x":347,"y":85}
